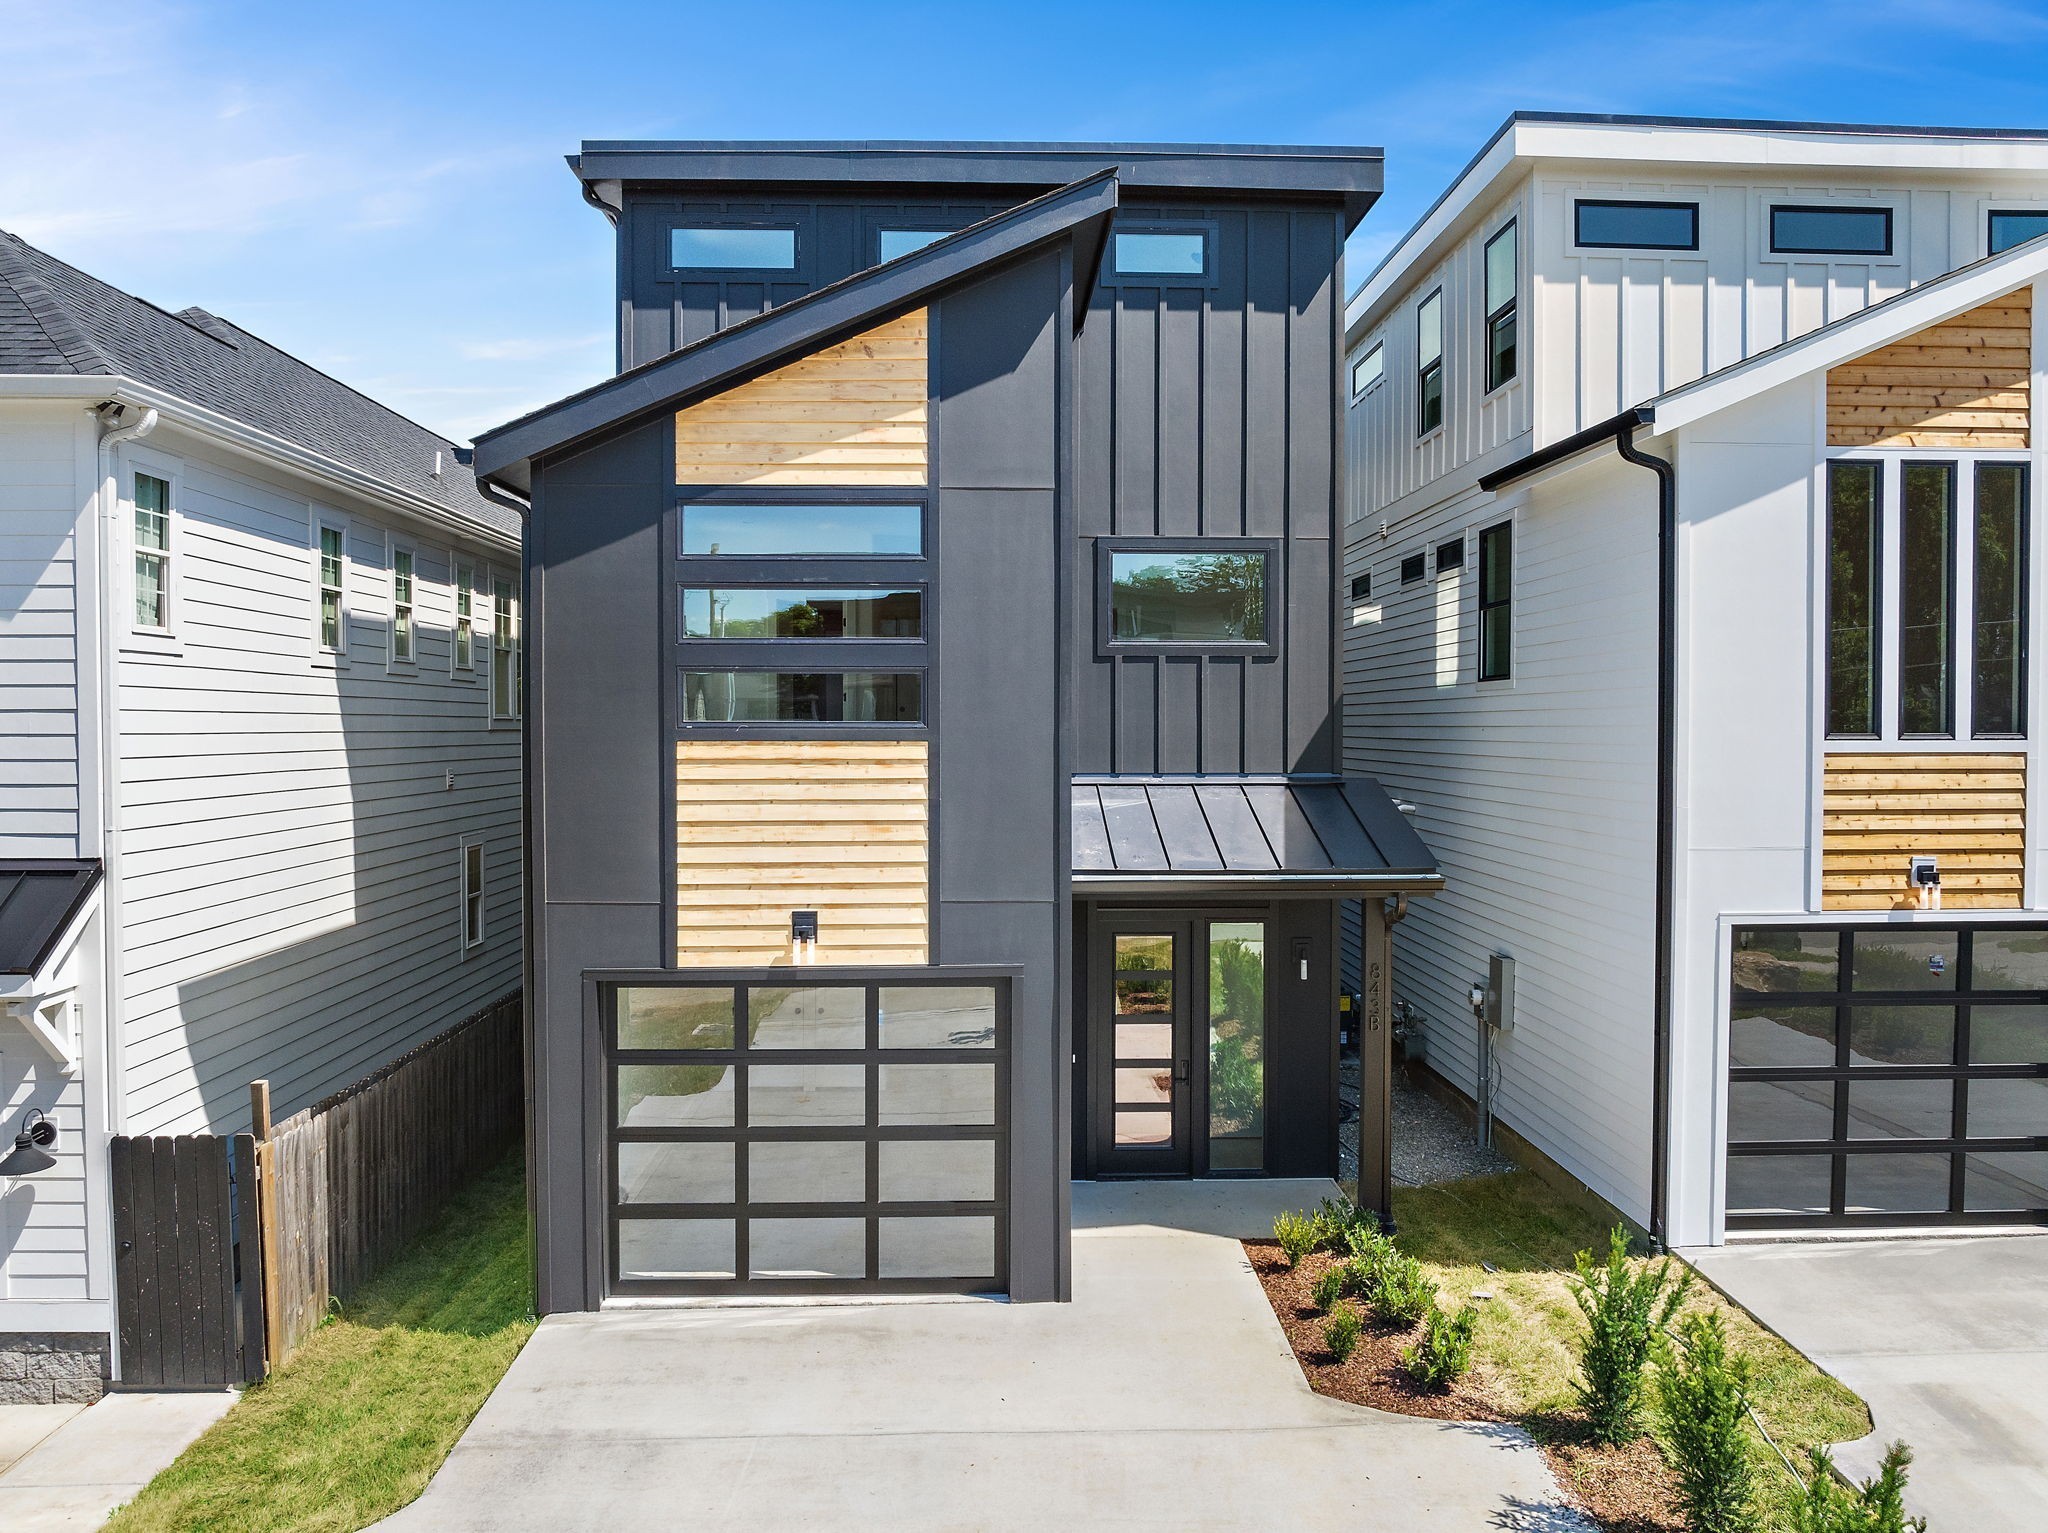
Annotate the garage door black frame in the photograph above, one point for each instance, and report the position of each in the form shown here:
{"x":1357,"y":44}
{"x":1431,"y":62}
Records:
{"x":872,"y":1134}
{"x":1962,"y":997}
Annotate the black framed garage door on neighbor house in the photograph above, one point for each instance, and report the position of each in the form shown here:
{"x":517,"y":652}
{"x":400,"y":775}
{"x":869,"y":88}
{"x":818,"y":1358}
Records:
{"x":807,"y":1131}
{"x":1886,"y":1075}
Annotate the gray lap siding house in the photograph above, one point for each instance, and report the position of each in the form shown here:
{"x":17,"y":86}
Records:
{"x":277,"y":817}
{"x":815,"y":960}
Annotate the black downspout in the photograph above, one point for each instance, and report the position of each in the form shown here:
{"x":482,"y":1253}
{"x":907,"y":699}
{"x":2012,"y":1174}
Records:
{"x":1667,"y":808}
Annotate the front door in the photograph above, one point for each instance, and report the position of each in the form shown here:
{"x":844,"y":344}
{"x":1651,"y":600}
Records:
{"x":1177,"y":1031}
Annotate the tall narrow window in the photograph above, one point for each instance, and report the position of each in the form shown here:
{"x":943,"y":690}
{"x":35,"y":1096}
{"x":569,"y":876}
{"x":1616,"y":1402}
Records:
{"x":1237,"y":1045}
{"x":331,"y":610}
{"x":1429,"y":352}
{"x":152,"y":552}
{"x":1927,"y":620}
{"x":1853,"y":565}
{"x":401,"y":604}
{"x":504,"y":650}
{"x":465,"y":618}
{"x":1500,"y":307}
{"x":1998,"y":584}
{"x":1368,"y":370}
{"x":1496,"y":602}
{"x":472,"y":893}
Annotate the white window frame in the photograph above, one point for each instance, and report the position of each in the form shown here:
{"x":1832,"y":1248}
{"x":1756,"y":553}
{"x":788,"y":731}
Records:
{"x":461,"y":585}
{"x":325,"y":522}
{"x":472,"y":903}
{"x":1376,"y":352}
{"x":164,"y":639}
{"x":510,"y":661}
{"x":394,"y":547}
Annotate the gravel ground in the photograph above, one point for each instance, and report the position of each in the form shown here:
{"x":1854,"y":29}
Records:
{"x":1431,"y":1142}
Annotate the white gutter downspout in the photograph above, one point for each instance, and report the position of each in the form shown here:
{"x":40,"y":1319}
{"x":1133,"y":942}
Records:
{"x":108,"y":676}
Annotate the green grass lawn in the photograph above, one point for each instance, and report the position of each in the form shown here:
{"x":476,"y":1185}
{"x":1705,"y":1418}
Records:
{"x":1527,"y":1331}
{"x":362,"y":1414}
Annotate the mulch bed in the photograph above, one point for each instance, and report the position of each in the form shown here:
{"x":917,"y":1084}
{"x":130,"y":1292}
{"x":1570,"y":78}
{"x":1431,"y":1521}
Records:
{"x":1624,"y":1490}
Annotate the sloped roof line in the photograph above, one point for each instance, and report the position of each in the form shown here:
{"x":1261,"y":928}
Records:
{"x":763,"y":340}
{"x":47,"y":309}
{"x":1840,"y":340}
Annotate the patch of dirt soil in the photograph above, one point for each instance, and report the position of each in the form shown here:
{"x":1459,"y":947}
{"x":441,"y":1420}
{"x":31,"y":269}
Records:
{"x":1624,"y":1490}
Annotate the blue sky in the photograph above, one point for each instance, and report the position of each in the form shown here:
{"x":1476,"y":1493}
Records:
{"x":379,"y":186}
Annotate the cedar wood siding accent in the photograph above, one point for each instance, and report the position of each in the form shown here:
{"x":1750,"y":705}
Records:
{"x":1209,"y":410}
{"x":851,"y":414}
{"x":770,"y":826}
{"x":1970,"y":811}
{"x":1965,"y":383}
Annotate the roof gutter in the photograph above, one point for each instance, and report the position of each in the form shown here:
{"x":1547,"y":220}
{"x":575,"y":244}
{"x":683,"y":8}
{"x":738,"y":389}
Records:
{"x":1621,"y":431}
{"x":230,"y":432}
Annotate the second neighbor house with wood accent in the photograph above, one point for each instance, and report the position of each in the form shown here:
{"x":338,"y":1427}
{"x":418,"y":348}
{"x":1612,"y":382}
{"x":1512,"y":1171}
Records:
{"x":1694,"y":598}
{"x":933,"y":769}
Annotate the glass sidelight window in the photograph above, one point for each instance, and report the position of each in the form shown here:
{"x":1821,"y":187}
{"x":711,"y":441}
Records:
{"x":1853,"y":546}
{"x":1237,"y":1045}
{"x":1142,"y":1071}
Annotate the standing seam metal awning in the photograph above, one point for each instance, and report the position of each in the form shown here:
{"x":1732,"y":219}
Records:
{"x":1270,"y":835}
{"x":38,"y":900}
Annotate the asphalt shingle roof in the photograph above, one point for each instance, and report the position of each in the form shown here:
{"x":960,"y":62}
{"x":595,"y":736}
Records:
{"x":55,"y":318}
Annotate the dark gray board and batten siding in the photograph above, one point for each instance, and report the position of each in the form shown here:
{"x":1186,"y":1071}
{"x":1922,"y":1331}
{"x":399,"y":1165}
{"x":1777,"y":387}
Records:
{"x":1209,"y":410}
{"x":605,"y":666}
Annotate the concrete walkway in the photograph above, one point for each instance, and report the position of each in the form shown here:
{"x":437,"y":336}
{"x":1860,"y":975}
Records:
{"x":87,"y":1460}
{"x":1947,"y":1342}
{"x":1163,"y":1397}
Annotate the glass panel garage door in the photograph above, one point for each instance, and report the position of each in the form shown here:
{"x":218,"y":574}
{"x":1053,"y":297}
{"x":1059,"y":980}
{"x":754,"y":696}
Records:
{"x":1888,"y":1075}
{"x":807,"y":1135}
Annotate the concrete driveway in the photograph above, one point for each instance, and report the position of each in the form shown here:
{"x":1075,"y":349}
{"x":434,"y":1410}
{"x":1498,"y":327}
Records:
{"x":1946,"y":1340}
{"x":1163,"y":1397}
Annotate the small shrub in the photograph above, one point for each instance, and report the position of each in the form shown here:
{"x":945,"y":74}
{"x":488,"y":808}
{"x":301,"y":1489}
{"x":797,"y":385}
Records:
{"x":1332,"y":1286}
{"x":1342,"y":1330}
{"x":1340,"y":1221}
{"x":1876,"y":1506}
{"x":1444,"y":1354}
{"x":1703,"y":1394}
{"x":1367,"y":1243}
{"x":1626,"y":1312}
{"x":1402,"y":1291}
{"x":1296,"y":1235}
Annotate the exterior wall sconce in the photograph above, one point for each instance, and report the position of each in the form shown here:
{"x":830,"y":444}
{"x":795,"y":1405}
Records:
{"x":803,"y":934}
{"x":31,"y":1146}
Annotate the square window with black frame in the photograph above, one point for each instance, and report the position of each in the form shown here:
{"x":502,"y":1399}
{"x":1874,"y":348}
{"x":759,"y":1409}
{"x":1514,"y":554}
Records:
{"x":1361,"y":586}
{"x":1413,"y":568}
{"x":1450,"y":556}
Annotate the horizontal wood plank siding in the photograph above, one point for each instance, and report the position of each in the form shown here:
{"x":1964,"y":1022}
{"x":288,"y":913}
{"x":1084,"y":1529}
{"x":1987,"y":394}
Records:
{"x":1879,"y":811}
{"x":770,"y":826}
{"x":851,"y":414}
{"x":1967,"y":383}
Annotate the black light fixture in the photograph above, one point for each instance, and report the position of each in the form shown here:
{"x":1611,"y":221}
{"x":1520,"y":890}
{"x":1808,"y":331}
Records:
{"x":31,"y":1146}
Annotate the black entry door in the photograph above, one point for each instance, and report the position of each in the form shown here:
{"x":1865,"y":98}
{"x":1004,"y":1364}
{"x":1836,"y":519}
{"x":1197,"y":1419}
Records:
{"x":1143,"y":1061}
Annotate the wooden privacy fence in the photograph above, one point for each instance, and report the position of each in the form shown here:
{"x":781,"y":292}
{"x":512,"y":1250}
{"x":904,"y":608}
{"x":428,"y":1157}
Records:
{"x":224,"y":1264}
{"x":346,"y":1183}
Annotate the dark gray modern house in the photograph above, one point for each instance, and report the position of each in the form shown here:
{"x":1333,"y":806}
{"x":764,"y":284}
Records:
{"x":933,"y":710}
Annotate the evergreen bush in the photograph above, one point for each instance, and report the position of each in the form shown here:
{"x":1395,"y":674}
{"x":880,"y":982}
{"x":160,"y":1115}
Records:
{"x":1703,"y":1393}
{"x":1443,"y":1355}
{"x":1626,"y":1311}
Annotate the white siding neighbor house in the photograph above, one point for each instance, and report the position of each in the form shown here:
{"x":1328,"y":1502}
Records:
{"x":259,"y":757}
{"x":1692,"y":601}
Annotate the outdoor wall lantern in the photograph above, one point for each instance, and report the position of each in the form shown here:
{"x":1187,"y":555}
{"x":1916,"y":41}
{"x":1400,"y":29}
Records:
{"x":31,"y":1146}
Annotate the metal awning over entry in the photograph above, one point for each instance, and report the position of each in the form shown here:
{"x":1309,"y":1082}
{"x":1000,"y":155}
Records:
{"x":1264,"y":836}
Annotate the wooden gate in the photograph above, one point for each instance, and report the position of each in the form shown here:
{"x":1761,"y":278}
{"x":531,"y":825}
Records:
{"x":185,"y":1323}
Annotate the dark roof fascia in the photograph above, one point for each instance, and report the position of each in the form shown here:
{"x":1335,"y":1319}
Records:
{"x":754,"y":345}
{"x":1228,"y":886}
{"x":85,"y":874}
{"x":1596,"y":435}
{"x":1350,"y":174}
